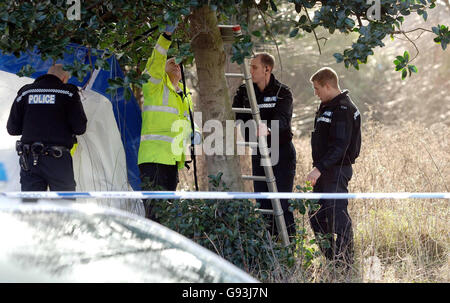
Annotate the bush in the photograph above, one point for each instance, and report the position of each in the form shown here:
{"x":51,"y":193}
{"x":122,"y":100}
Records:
{"x":236,"y":231}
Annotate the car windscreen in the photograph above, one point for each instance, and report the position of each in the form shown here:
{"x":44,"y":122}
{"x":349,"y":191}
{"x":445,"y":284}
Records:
{"x":72,"y":246}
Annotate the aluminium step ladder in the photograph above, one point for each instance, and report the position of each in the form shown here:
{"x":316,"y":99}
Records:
{"x":229,"y":33}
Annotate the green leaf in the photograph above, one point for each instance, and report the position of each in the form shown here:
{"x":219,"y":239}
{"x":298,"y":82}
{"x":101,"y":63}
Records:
{"x":127,"y":93}
{"x":339,"y":57}
{"x":347,"y":63}
{"x":256,"y":33}
{"x":400,"y":58}
{"x":425,"y":15}
{"x":412,"y":68}
{"x":302,"y":208}
{"x":4,"y":16}
{"x":41,"y":16}
{"x":302,"y":19}
{"x":404,"y":73}
{"x":350,"y":22}
{"x":406,"y":56}
{"x":26,"y":71}
{"x":294,"y":32}
{"x":436,"y":30}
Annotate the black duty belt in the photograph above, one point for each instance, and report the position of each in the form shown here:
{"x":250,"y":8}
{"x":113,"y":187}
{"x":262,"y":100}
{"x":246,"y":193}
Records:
{"x":37,"y":149}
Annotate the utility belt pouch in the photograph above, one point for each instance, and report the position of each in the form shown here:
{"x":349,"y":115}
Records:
{"x":56,"y":151}
{"x":21,"y":153}
{"x":37,"y":148}
{"x":19,"y":147}
{"x":23,"y":162}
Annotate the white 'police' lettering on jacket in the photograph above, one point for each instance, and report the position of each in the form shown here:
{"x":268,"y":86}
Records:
{"x":324,"y":119}
{"x":267,"y":105}
{"x":44,"y":90}
{"x":270,"y":99}
{"x":41,"y":99}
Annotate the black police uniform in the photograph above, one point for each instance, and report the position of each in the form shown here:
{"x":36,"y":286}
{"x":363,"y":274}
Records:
{"x":48,"y":114}
{"x":275,"y":104}
{"x":335,"y":143}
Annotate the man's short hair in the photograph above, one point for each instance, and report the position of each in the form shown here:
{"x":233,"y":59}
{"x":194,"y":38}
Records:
{"x":266,"y":59}
{"x":58,"y":71}
{"x":326,"y":75}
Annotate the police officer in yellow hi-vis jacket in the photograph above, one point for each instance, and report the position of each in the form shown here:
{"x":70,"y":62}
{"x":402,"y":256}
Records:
{"x":166,"y":126}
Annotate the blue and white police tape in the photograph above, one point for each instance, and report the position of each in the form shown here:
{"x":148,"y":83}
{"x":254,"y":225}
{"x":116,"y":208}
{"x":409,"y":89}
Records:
{"x":219,"y":195}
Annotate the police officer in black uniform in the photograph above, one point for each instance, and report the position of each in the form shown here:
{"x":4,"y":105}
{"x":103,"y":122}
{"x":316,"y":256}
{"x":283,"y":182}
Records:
{"x":275,"y":104}
{"x":335,"y":143}
{"x":48,"y":114}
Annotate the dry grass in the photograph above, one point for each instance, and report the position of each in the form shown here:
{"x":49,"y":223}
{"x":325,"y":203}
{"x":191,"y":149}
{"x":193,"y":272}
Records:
{"x":395,"y":240}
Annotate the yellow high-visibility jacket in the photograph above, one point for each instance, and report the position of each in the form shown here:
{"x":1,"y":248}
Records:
{"x":166,"y":126}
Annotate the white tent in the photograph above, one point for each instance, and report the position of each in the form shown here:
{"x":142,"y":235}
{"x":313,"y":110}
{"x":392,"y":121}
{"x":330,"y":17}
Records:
{"x":100,"y":160}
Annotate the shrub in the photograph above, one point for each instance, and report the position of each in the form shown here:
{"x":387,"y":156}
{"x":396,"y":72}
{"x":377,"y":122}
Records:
{"x":236,"y":231}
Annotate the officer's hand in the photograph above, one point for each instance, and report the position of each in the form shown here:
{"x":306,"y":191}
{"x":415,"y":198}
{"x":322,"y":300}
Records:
{"x":170,"y":28}
{"x":313,"y":176}
{"x":196,"y":138}
{"x":263,"y":130}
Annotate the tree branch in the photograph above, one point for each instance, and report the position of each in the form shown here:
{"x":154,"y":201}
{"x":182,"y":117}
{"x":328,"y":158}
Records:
{"x":415,"y":46}
{"x":416,"y":29}
{"x":273,"y":38}
{"x":315,"y":35}
{"x":359,"y":21}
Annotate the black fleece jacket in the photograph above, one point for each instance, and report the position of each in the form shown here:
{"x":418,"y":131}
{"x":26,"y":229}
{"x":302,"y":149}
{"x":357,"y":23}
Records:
{"x":47,"y":111}
{"x":336,"y":139}
{"x":275,"y":104}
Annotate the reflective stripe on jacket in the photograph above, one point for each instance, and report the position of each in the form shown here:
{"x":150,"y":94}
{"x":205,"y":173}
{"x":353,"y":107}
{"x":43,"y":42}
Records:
{"x":166,"y":127}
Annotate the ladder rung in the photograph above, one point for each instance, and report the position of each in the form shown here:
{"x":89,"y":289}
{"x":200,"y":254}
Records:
{"x":254,"y":178}
{"x":265,"y":211}
{"x":227,"y":26}
{"x":234,"y":75}
{"x":229,"y":32}
{"x":249,"y":144}
{"x":242,"y":110}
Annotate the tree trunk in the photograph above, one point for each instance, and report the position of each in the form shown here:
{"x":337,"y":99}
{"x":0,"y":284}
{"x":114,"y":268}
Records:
{"x":215,"y":100}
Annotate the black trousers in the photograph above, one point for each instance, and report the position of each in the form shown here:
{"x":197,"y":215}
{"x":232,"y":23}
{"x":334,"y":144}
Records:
{"x":332,"y":218}
{"x":50,"y":172}
{"x":156,"y":176}
{"x":284,"y":173}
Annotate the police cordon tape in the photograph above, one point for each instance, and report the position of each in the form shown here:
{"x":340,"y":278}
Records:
{"x":219,"y":195}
